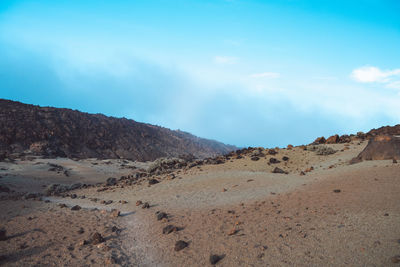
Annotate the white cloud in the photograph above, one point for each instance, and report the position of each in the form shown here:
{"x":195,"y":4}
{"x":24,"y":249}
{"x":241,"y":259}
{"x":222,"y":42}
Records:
{"x":269,"y":75}
{"x":225,"y":60}
{"x":375,"y":75}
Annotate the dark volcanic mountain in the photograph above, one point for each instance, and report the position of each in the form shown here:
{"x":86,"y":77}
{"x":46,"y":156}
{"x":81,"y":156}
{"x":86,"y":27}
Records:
{"x":62,"y":132}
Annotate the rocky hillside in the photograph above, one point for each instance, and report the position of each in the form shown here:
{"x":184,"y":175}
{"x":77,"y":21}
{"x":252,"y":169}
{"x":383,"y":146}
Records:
{"x":69,"y":133}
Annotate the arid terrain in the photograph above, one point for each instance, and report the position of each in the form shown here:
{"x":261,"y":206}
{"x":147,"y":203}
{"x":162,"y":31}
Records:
{"x":297,"y":206}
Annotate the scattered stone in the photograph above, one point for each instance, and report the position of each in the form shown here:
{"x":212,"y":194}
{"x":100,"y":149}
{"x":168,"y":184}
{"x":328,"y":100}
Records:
{"x":337,"y":191}
{"x":223,"y":190}
{"x":289,"y":147}
{"x":124,"y":202}
{"x":394,"y":161}
{"x":233,"y":231}
{"x":73,"y":196}
{"x":278,"y":170}
{"x":274,"y":160}
{"x":81,"y":231}
{"x":214,"y":259}
{"x":111,"y":181}
{"x":284,"y":158}
{"x":103,"y":247}
{"x":254,"y":158}
{"x":153,"y":181}
{"x":179,"y":245}
{"x":96,"y":238}
{"x":169,"y":229}
{"x":3,"y":235}
{"x":161,"y":215}
{"x":115,"y":213}
{"x":83,"y":243}
{"x":62,"y":205}
{"x":146,"y":205}
{"x":272,"y":152}
{"x":302,"y":173}
{"x":396,"y":259}
{"x":309,"y":169}
{"x":139,"y":202}
{"x":76,"y":207}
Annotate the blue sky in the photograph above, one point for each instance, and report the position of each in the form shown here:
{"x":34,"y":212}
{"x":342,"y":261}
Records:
{"x":248,"y":73}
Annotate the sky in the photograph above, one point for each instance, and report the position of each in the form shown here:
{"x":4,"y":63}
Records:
{"x":244,"y":72}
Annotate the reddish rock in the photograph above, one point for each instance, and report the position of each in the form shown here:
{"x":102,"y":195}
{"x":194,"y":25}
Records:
{"x":334,"y":139}
{"x":320,"y":140}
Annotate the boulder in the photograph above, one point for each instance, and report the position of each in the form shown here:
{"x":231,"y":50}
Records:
{"x":111,"y":181}
{"x":320,"y":140}
{"x":274,"y":160}
{"x":334,"y":139}
{"x":96,"y":238}
{"x":179,"y":245}
{"x":278,"y":170}
{"x":380,"y":147}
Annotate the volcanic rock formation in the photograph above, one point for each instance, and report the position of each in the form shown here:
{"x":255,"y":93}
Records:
{"x":56,"y":132}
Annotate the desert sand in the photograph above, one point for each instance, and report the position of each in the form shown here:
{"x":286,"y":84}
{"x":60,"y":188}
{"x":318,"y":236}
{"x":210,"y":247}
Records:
{"x":237,"y":213}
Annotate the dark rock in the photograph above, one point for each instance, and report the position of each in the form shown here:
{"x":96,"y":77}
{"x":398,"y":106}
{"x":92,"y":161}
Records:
{"x":153,"y":181}
{"x":284,"y":158}
{"x":272,"y":152}
{"x":74,"y":196}
{"x":274,"y":160}
{"x":179,"y":245}
{"x":394,"y":161}
{"x":278,"y":170}
{"x":161,"y":215}
{"x":146,"y":205}
{"x":3,"y":235}
{"x":139,"y":202}
{"x":96,"y":238}
{"x":255,"y":158}
{"x":76,"y":207}
{"x":111,"y":181}
{"x":337,"y":191}
{"x":214,"y":259}
{"x":169,"y":229}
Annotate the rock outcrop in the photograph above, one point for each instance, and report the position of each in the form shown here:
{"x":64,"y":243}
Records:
{"x":379,"y":148}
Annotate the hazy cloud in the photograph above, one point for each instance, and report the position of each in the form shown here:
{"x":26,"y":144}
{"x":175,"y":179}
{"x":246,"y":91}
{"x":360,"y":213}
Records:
{"x":370,"y":74}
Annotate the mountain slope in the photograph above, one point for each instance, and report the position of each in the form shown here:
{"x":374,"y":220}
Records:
{"x":69,"y":133}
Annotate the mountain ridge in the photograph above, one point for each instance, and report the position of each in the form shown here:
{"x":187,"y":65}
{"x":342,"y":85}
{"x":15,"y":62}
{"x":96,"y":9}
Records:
{"x":62,"y":132}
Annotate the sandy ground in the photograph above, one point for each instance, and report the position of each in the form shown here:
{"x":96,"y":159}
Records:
{"x":238,"y":210}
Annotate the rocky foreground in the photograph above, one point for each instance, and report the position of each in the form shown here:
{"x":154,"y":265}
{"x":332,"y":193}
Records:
{"x":302,"y":206}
